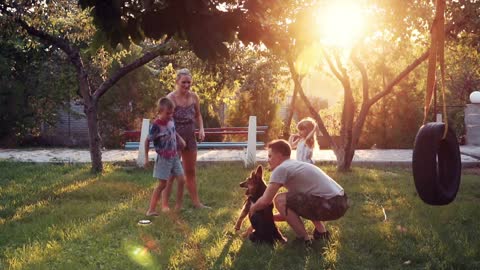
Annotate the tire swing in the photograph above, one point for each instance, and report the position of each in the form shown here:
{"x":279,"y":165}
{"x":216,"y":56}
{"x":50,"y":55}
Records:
{"x":436,"y":162}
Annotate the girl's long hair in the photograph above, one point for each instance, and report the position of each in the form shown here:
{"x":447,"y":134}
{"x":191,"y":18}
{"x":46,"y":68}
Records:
{"x":308,"y":124}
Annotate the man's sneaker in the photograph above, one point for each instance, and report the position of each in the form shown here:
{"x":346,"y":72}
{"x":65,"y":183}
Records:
{"x":323,"y":236}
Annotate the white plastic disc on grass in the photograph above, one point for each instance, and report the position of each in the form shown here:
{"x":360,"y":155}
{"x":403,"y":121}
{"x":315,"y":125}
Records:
{"x":144,"y":222}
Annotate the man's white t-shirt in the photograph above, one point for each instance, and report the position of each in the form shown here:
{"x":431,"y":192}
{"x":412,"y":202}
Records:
{"x":302,"y":177}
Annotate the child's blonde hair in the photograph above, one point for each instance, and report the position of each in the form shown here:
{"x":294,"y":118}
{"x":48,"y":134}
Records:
{"x":308,"y":124}
{"x":165,"y":103}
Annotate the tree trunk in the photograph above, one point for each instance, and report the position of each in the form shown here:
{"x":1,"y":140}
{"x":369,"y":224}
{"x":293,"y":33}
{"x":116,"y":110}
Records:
{"x":94,"y":137}
{"x":90,"y":109}
{"x":344,"y":158}
{"x":291,"y":110}
{"x":347,"y":147}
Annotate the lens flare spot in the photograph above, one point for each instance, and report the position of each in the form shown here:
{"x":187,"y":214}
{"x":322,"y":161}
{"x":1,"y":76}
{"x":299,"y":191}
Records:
{"x":308,"y":59}
{"x":139,"y":254}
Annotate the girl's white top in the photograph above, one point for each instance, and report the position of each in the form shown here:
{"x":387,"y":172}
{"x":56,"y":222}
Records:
{"x":304,"y":152}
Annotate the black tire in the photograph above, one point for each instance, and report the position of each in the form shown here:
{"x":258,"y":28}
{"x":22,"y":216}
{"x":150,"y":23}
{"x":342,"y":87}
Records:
{"x":436,"y":164}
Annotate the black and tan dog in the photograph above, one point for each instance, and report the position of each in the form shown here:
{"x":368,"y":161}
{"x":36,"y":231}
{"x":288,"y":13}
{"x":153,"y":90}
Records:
{"x":263,"y":228}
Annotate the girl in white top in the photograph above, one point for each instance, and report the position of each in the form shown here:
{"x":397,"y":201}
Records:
{"x":304,"y":140}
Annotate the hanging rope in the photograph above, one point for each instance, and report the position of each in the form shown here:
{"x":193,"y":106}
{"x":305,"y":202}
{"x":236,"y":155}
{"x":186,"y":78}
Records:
{"x":436,"y":53}
{"x":436,"y":161}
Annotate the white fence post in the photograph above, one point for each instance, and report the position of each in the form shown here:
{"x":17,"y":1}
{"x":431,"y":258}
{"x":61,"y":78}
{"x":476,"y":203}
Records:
{"x":141,"y":146}
{"x":250,"y":158}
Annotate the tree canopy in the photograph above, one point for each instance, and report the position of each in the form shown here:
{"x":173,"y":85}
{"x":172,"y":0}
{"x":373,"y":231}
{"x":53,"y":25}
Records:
{"x":206,"y":25}
{"x":369,"y":62}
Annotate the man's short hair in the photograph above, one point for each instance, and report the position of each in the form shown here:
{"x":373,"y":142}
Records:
{"x":280,"y":146}
{"x":165,"y":103}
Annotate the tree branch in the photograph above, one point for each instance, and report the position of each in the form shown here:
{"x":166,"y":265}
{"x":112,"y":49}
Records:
{"x":48,"y":39}
{"x":63,"y":44}
{"x":332,"y":66}
{"x":389,"y":88}
{"x":291,"y":109}
{"x":363,"y":71}
{"x":340,"y":65}
{"x":163,"y":49}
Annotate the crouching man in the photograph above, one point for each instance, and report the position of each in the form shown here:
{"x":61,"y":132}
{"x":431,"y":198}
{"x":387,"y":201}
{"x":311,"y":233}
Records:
{"x":311,"y":193}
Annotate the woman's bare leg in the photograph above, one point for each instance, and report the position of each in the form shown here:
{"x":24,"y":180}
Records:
{"x":189,"y":160}
{"x":180,"y":184}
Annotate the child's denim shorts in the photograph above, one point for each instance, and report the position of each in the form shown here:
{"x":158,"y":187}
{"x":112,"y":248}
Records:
{"x":165,"y":168}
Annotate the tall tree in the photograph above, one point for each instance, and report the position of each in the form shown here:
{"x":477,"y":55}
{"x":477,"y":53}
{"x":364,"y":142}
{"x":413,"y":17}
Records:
{"x":63,"y":25}
{"x":355,"y":111}
{"x":404,"y":24}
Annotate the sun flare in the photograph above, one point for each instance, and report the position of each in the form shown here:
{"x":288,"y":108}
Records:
{"x":340,"y":24}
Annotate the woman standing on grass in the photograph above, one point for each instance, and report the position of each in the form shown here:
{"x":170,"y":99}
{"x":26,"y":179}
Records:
{"x":186,"y":115}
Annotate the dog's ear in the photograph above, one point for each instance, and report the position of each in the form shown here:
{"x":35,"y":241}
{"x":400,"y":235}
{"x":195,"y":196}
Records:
{"x":243,"y":184}
{"x":259,"y":172}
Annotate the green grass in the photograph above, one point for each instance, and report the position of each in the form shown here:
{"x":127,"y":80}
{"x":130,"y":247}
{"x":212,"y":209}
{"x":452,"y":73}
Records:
{"x":63,"y":217}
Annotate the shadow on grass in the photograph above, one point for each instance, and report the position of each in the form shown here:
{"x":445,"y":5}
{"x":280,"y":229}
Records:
{"x":413,"y":235}
{"x":282,"y":256}
{"x":87,"y":242}
{"x":223,"y":254}
{"x":32,"y":183}
{"x":94,"y":225}
{"x":72,"y":212}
